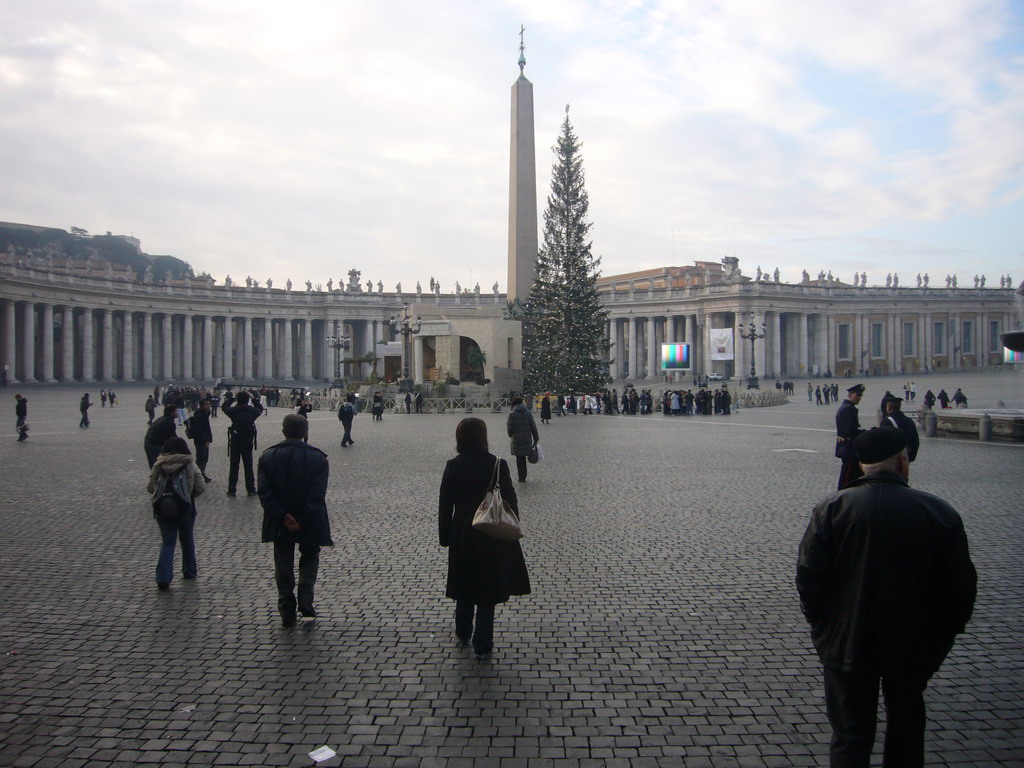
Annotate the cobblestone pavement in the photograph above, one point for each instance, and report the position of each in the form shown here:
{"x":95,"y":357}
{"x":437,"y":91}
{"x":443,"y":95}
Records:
{"x":663,"y":629}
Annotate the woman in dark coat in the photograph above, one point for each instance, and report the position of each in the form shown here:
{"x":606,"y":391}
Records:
{"x":482,"y":571}
{"x":522,"y":429}
{"x":545,"y":409}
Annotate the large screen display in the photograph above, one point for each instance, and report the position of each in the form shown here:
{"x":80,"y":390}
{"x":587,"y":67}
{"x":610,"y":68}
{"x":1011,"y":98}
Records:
{"x":675,"y":357}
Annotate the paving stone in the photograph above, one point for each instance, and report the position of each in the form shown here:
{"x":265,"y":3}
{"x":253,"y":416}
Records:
{"x":663,"y":628}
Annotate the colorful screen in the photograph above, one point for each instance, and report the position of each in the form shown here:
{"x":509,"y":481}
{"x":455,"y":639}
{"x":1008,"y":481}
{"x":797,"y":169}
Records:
{"x":675,"y":357}
{"x":1009,"y":356}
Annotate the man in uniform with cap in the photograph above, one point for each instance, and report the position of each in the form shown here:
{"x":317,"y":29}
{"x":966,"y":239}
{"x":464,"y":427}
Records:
{"x":886,"y":581}
{"x":893,"y":416}
{"x":847,"y":429}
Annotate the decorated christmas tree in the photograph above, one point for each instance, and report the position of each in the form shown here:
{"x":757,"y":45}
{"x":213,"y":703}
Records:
{"x":564,"y":344}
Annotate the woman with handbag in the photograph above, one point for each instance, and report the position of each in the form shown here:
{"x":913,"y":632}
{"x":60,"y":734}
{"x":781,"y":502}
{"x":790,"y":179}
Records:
{"x":482,"y":571}
{"x":174,"y":482}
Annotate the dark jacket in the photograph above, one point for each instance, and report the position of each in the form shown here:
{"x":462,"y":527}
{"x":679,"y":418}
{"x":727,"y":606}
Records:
{"x":481,"y":569}
{"x":899,"y":420}
{"x":545,"y":408}
{"x":523,"y":430}
{"x":161,"y":429}
{"x":243,"y":418}
{"x":21,"y":408}
{"x":292,"y":478}
{"x":202,"y":432}
{"x":346,"y":414}
{"x":885,"y":576}
{"x":847,"y":428}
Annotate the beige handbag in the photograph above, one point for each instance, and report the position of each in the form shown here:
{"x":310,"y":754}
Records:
{"x":495,"y":516}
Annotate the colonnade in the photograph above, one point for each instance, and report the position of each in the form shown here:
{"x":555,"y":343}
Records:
{"x":800,"y":343}
{"x":52,"y":342}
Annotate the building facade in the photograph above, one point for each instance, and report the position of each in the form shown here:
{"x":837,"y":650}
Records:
{"x":79,"y":321}
{"x":815,"y":327}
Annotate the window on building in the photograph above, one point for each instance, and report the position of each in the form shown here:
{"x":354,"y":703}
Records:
{"x":967,"y":339}
{"x":908,"y":339}
{"x":939,"y":338}
{"x":995,"y":344}
{"x":844,"y":341}
{"x":876,"y":341}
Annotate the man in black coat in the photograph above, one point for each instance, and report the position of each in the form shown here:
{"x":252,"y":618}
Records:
{"x":886,"y":581}
{"x":202,"y":434}
{"x":847,"y":429}
{"x":293,"y":490}
{"x":241,"y":438}
{"x":21,"y":416}
{"x":895,"y":418}
{"x":159,"y":431}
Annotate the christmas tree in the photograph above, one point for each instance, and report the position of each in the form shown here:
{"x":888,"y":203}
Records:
{"x":564,"y":344}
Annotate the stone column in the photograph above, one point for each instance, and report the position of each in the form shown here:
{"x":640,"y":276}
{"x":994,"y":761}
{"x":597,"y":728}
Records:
{"x":653,"y":371}
{"x":47,"y":333}
{"x":416,"y":364}
{"x":287,"y":370}
{"x":895,"y":350}
{"x":108,"y":345}
{"x":229,"y":348}
{"x":10,"y":341}
{"x":952,"y":334}
{"x":186,"y":347}
{"x":688,"y":333}
{"x":247,"y":348}
{"x":28,"y":342}
{"x":208,"y":347}
{"x":128,"y":347}
{"x":804,"y":341}
{"x":268,"y":348}
{"x":67,"y":343}
{"x":776,"y":342}
{"x":613,"y":363}
{"x":633,"y":357}
{"x":167,"y":349}
{"x":368,"y":342}
{"x":306,"y":362}
{"x":88,"y":352}
{"x":147,"y":346}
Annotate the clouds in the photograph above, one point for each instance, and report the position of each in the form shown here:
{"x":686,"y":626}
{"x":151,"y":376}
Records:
{"x":304,"y":141}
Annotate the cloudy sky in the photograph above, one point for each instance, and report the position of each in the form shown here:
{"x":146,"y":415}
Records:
{"x":300,"y":140}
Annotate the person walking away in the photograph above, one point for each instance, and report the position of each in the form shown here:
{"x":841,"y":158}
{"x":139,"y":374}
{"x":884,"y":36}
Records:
{"x":895,"y":418}
{"x":847,"y":429}
{"x":523,"y":430}
{"x":545,"y":409}
{"x":21,"y":417}
{"x":159,"y":432}
{"x":198,"y":424}
{"x":241,"y":438}
{"x":960,"y":398}
{"x":419,"y":402}
{"x":482,"y":571}
{"x":83,"y":407}
{"x":103,"y":398}
{"x":174,"y":482}
{"x":886,"y":582}
{"x":150,"y":408}
{"x":112,"y":397}
{"x":408,"y":403}
{"x":929,"y":399}
{"x":346,"y":412}
{"x":293,"y":492}
{"x":943,"y":398}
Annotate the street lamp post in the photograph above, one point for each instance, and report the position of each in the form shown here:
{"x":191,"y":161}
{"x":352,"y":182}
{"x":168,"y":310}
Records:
{"x":404,"y":325}
{"x":751,"y":332}
{"x":338,"y":343}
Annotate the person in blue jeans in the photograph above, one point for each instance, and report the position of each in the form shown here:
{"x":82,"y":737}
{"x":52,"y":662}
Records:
{"x":174,"y":483}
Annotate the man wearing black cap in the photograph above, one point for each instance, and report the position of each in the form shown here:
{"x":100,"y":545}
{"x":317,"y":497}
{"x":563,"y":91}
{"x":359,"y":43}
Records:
{"x":894,"y":417}
{"x":886,"y":581}
{"x":847,"y":429}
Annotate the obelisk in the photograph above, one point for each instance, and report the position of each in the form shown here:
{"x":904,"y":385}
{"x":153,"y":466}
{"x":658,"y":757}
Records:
{"x":522,"y":188}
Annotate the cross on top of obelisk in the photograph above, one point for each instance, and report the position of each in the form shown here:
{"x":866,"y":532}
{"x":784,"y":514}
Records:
{"x":522,"y":49}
